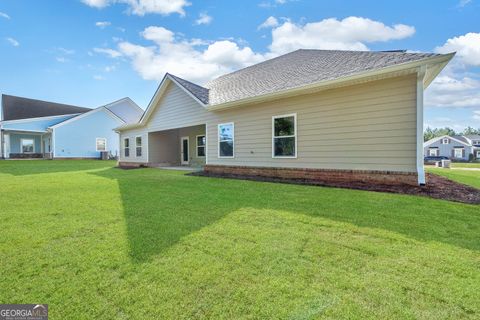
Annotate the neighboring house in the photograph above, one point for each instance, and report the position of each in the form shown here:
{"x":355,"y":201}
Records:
{"x":457,"y":148}
{"x":310,"y":114}
{"x":39,"y":129}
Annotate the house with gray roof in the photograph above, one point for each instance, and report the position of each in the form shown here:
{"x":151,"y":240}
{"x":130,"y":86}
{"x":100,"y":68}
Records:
{"x":456,"y":148}
{"x":308,"y":114}
{"x":32,"y":128}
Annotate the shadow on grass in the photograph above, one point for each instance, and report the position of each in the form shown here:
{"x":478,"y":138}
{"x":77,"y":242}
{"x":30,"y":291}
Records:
{"x":31,"y":167}
{"x":161,"y":207}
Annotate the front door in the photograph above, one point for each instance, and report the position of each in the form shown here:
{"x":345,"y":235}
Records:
{"x":184,"y":150}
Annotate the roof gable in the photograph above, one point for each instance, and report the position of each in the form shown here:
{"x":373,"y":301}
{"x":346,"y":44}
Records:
{"x":15,"y":108}
{"x":126,"y":109}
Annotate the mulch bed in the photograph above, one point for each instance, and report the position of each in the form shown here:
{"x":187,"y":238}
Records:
{"x":437,"y":187}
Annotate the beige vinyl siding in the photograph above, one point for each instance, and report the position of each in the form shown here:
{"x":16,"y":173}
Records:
{"x":365,"y":127}
{"x":132,"y":134}
{"x":370,"y":126}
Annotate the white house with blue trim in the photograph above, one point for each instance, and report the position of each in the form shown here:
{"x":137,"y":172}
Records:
{"x":39,"y":129}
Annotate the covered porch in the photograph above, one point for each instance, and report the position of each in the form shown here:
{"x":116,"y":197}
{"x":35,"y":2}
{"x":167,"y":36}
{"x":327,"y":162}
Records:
{"x":17,"y":144}
{"x":178,"y":148}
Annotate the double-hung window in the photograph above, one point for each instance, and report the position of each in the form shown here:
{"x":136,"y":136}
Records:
{"x":226,"y":140}
{"x":138,"y":146}
{"x":201,"y":142}
{"x":284,"y":136}
{"x":101,"y":144}
{"x":432,"y":152}
{"x":458,"y":153}
{"x":126,"y":147}
{"x":445,"y":141}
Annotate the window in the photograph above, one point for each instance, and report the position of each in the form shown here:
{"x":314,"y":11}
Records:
{"x":126,"y":147}
{"x":432,"y":152}
{"x":138,"y":146}
{"x":201,"y":141}
{"x":445,"y":141}
{"x":458,"y":153}
{"x":226,"y":140}
{"x":101,"y":144}
{"x":478,"y":154}
{"x":476,"y":142}
{"x":28,"y":145}
{"x":284,"y":136}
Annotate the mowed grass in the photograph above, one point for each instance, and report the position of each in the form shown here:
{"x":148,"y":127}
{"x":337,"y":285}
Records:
{"x":466,"y":165}
{"x":462,"y":175}
{"x":95,"y":242}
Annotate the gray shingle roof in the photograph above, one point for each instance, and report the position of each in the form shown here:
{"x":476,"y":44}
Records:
{"x":292,"y":70}
{"x":126,"y":109}
{"x":300,"y":68}
{"x":15,"y":108}
{"x":199,"y":92}
{"x":461,"y":138}
{"x":473,"y":136}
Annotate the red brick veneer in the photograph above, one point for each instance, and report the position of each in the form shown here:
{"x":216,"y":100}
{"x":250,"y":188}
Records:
{"x":320,"y":175}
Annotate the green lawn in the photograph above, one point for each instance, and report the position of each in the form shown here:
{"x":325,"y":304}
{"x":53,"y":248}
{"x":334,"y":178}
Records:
{"x":465,"y":165}
{"x":469,"y":177}
{"x":95,"y":242}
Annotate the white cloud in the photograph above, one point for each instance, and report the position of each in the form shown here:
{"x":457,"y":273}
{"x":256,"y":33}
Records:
{"x":453,"y":91}
{"x":98,"y":77}
{"x":351,"y":33}
{"x":97,"y":3}
{"x":110,"y":52}
{"x":476,"y":115}
{"x":203,"y":18}
{"x":273,"y":4}
{"x":110,"y":68}
{"x":200,"y":60}
{"x":142,"y":7}
{"x":61,"y":59}
{"x":13,"y":42}
{"x":4,"y":15}
{"x":65,"y":51}
{"x":463,"y":3}
{"x":187,"y":58}
{"x":269,"y":23}
{"x":466,"y":46}
{"x":103,"y":24}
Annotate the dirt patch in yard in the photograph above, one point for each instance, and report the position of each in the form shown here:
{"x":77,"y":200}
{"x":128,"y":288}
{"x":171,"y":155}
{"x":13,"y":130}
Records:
{"x":437,"y":187}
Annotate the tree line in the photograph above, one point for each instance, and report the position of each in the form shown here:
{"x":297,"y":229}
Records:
{"x":430,"y":133}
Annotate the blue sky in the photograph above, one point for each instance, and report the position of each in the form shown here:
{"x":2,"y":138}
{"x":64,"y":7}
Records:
{"x":92,"y":52}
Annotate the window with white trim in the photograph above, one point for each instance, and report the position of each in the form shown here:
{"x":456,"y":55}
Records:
{"x":27,"y":145}
{"x":126,"y":147}
{"x":101,"y":144}
{"x":476,"y":142}
{"x":284,"y":136}
{"x":458,"y":153}
{"x":226,"y":140}
{"x":445,"y":141}
{"x":432,"y":152}
{"x":138,"y":146}
{"x":201,"y":142}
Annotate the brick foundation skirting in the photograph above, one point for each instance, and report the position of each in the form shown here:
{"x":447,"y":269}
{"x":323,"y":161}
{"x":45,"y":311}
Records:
{"x":319,"y":175}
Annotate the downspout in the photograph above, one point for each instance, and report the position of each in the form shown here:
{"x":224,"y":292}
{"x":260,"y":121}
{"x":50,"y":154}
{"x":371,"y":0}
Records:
{"x":420,"y":168}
